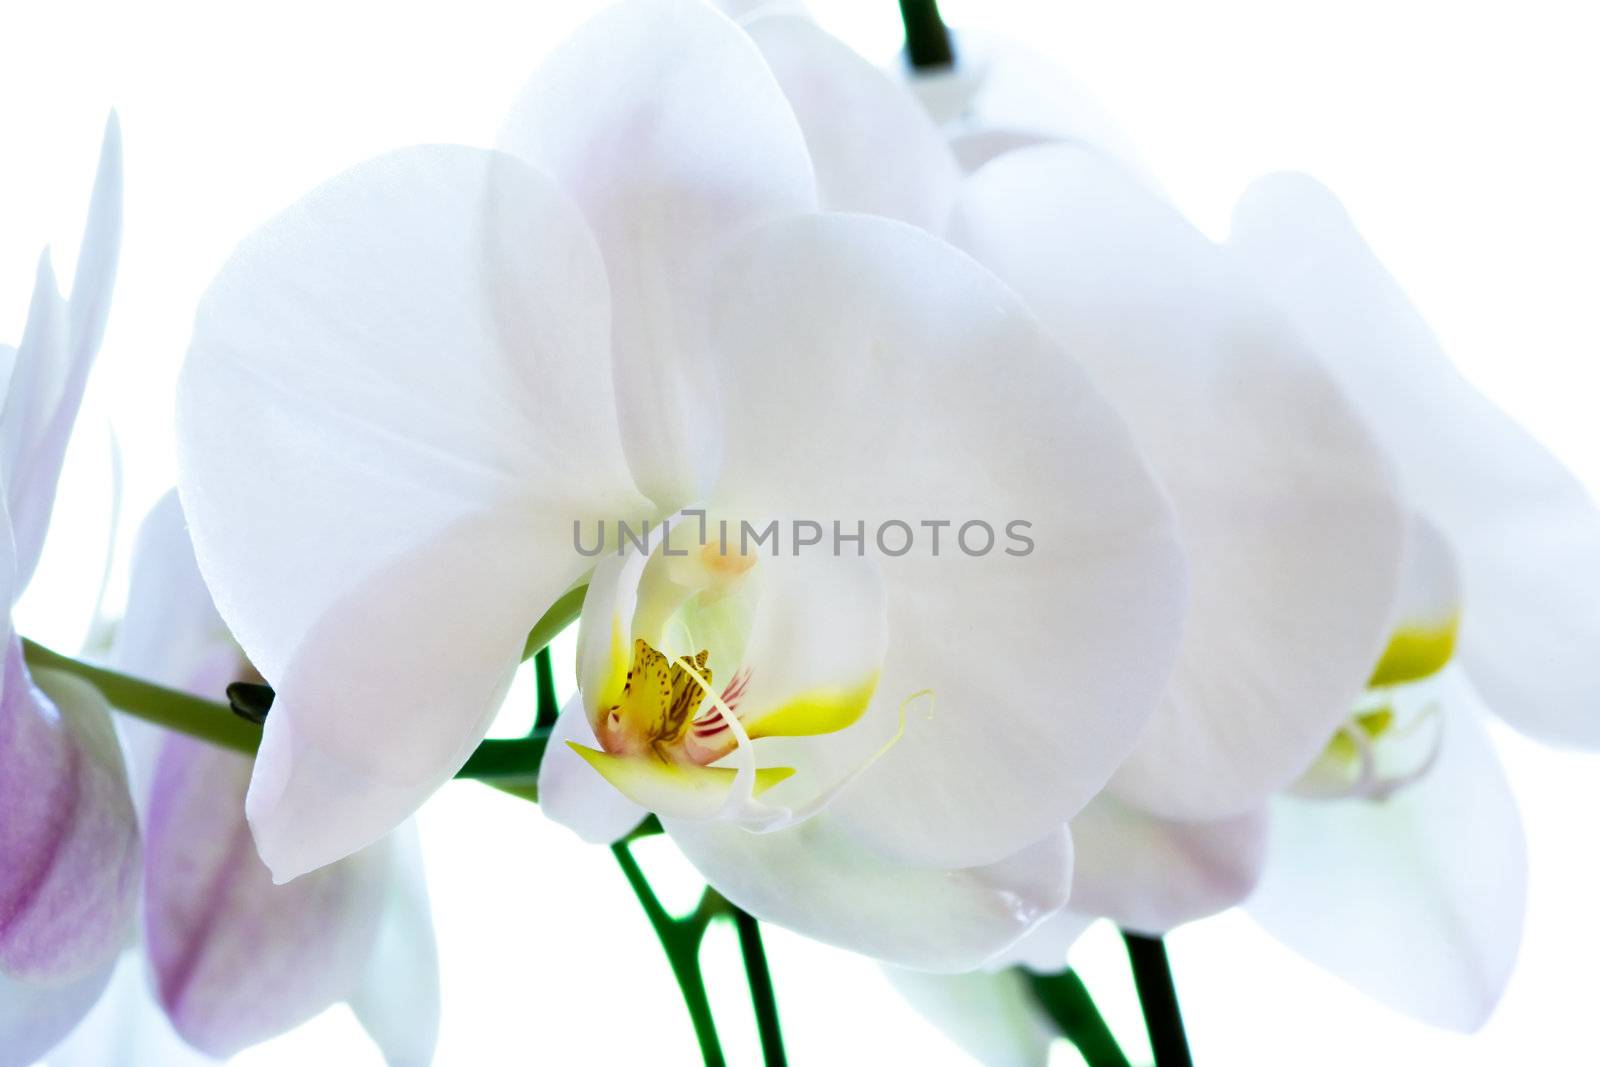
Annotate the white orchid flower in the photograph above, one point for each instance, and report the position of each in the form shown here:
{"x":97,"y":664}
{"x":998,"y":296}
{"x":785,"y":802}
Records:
{"x":1080,"y":231}
{"x":69,"y":841}
{"x":1397,"y":862}
{"x":1290,"y":516}
{"x":234,"y":959}
{"x":405,"y":391}
{"x":1524,"y":531}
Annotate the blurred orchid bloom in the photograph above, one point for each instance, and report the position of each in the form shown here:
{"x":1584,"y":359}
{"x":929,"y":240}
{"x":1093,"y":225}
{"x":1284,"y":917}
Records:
{"x":69,"y":841}
{"x":233,"y":959}
{"x":634,"y":310}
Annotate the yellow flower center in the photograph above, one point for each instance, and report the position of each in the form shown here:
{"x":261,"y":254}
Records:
{"x":660,"y":698}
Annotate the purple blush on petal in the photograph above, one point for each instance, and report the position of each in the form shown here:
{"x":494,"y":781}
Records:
{"x":69,"y":843}
{"x":238,"y":959}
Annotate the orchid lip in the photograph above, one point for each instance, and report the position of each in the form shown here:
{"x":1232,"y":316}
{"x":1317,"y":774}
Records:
{"x":1377,"y":751}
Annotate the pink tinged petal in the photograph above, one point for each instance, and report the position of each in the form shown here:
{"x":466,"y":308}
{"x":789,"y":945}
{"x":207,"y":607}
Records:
{"x":816,"y":880}
{"x":663,"y":122}
{"x":41,"y":360}
{"x":1525,"y":530}
{"x":170,"y":633}
{"x":423,"y":342}
{"x":53,"y":361}
{"x":992,"y":1015}
{"x":398,"y":999}
{"x":238,"y":959}
{"x":874,"y":148}
{"x":126,"y":1027}
{"x":69,"y":841}
{"x":871,"y":373}
{"x":34,"y":1017}
{"x":1417,"y":900}
{"x":1287,"y":508}
{"x":1151,"y":874}
{"x":570,"y":790}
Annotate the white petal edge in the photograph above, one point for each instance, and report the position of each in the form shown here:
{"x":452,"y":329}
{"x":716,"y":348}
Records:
{"x":1417,"y":901}
{"x":1286,"y":504}
{"x":816,"y":880}
{"x":424,"y":342}
{"x":662,"y":121}
{"x":1526,"y":532}
{"x":871,"y":373}
{"x":573,"y":793}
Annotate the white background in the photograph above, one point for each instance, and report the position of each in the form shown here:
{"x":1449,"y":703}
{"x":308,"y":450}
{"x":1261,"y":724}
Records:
{"x":1460,"y":135}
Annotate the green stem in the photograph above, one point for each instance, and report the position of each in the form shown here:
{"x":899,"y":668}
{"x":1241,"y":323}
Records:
{"x":545,"y":683}
{"x":171,"y":708}
{"x":510,"y":764}
{"x":927,"y":38}
{"x":680,"y":940}
{"x":1158,"y":997}
{"x":1066,"y":1000}
{"x":558,"y":618}
{"x":762,"y":996}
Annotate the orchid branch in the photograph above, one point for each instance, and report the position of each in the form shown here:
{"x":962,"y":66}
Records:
{"x":762,"y":996}
{"x":545,"y":683}
{"x":1066,"y":1000}
{"x":1158,"y":997}
{"x":928,"y":44}
{"x":512,"y":765}
{"x":680,"y":939}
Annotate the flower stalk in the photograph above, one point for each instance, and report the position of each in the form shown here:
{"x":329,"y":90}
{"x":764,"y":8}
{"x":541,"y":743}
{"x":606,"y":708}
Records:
{"x":762,"y":996}
{"x":1066,"y":1000}
{"x":928,"y":44}
{"x":511,"y":764}
{"x":680,"y":940}
{"x":1158,"y":998}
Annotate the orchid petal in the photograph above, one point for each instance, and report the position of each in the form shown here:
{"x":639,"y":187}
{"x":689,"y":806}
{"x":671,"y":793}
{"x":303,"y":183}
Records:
{"x":398,"y":998}
{"x":53,"y":361}
{"x":1004,"y":95}
{"x":388,"y":331}
{"x":1428,"y":612}
{"x":1287,"y":510}
{"x":238,"y":959}
{"x":683,"y":790}
{"x":816,"y":880}
{"x":874,"y":148}
{"x":993,"y":1015}
{"x":1044,"y":950}
{"x":171,"y":632}
{"x":69,"y":841}
{"x":872,"y":374}
{"x":1150,"y":874}
{"x":662,"y":121}
{"x":40,"y":362}
{"x":1526,"y":532}
{"x":33,"y":1018}
{"x":126,"y":1027}
{"x":571,"y":793}
{"x":1416,"y":900}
